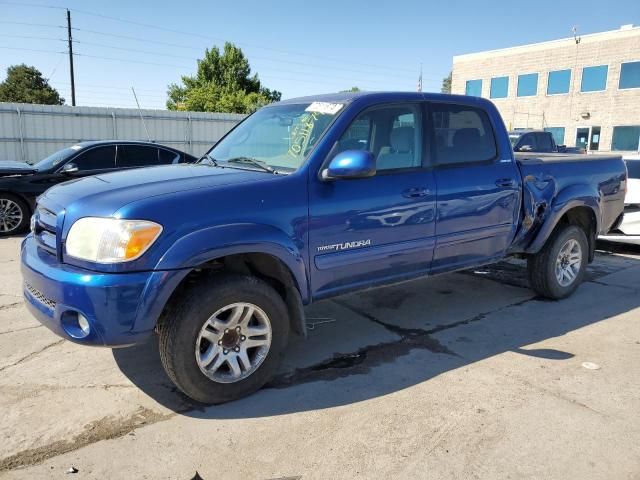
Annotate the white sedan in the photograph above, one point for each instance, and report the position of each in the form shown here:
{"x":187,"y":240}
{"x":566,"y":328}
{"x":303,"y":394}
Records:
{"x":629,"y":229}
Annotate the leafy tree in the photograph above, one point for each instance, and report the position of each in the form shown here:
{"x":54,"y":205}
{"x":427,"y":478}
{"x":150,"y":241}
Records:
{"x":352,"y":89}
{"x":446,"y":84}
{"x":26,"y":84}
{"x":223,"y":83}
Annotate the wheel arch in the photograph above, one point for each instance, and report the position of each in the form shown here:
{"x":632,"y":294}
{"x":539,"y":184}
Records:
{"x":579,"y":213}
{"x":261,"y":251}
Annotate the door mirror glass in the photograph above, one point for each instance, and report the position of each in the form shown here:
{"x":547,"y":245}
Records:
{"x":351,"y":164}
{"x":69,"y":168}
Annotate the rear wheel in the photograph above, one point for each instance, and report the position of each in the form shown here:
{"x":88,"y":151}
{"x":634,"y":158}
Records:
{"x":557,"y":270}
{"x":14,"y":215}
{"x":223,"y":339}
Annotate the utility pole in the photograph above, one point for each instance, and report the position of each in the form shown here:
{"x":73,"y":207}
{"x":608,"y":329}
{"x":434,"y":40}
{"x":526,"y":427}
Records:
{"x":73,"y":83}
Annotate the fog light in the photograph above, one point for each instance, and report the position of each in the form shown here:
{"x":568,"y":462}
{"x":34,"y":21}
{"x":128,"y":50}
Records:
{"x":83,"y":323}
{"x":75,"y":324}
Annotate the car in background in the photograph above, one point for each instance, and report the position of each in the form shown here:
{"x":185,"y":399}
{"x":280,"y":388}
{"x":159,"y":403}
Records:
{"x":629,"y":229}
{"x":21,"y":183}
{"x":538,"y":141}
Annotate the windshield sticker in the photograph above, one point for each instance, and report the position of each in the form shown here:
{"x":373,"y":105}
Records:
{"x":300,"y":134}
{"x":76,"y":147}
{"x":325,"y":107}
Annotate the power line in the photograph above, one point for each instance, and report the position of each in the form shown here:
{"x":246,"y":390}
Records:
{"x":32,"y":50}
{"x":27,"y":24}
{"x":10,"y":35}
{"x":219,"y":39}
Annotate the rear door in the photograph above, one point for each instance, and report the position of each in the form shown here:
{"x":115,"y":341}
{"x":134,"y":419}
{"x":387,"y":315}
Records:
{"x":379,"y":228}
{"x":478,"y":188}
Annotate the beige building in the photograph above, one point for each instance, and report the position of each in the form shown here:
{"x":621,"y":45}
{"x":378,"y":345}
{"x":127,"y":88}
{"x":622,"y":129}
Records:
{"x":585,"y":90}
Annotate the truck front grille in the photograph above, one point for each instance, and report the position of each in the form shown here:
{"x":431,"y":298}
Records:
{"x":44,"y":229}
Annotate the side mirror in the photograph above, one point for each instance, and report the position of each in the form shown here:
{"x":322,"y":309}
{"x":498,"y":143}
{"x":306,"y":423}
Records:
{"x":69,"y":168}
{"x":525,"y":148}
{"x":351,"y":164}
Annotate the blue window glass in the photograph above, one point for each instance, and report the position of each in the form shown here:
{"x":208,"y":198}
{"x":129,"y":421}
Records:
{"x":594,"y":79}
{"x":626,"y":138}
{"x":630,"y":75}
{"x":474,"y":88}
{"x":557,"y":133}
{"x":499,"y":87}
{"x":528,"y":85}
{"x":559,"y":82}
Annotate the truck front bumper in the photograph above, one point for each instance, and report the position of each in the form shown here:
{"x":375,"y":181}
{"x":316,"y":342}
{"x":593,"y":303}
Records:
{"x":120,"y":308}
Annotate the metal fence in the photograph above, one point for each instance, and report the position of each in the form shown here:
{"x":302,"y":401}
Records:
{"x":29,"y":133}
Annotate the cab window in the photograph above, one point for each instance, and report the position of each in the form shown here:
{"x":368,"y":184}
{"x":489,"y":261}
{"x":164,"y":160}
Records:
{"x":392,"y":133}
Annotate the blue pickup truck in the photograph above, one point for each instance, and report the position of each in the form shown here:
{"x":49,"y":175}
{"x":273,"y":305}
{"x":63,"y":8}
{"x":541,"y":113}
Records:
{"x":305,"y":199}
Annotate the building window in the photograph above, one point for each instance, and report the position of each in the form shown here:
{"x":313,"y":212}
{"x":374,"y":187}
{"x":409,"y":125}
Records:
{"x":557,"y":133}
{"x":626,"y":138}
{"x":499,"y":87}
{"x":629,"y":75}
{"x":594,"y":79}
{"x":558,"y":82}
{"x":528,"y":85}
{"x":474,"y":88}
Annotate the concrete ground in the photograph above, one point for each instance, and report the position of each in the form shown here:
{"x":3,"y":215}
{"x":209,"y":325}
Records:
{"x":462,"y":376}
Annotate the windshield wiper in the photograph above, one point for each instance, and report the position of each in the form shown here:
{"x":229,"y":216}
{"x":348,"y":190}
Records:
{"x":206,"y":156}
{"x":253,"y":161}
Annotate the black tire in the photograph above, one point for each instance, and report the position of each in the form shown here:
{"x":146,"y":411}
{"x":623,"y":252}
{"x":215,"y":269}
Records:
{"x":182,"y":322}
{"x":23,"y":225}
{"x":541,"y":266}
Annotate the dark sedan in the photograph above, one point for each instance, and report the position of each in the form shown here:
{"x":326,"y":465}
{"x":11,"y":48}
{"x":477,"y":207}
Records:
{"x":21,"y":183}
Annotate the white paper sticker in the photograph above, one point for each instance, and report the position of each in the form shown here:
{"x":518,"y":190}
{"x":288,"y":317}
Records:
{"x":325,"y":107}
{"x":76,"y":147}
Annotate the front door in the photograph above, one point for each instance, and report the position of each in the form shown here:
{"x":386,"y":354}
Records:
{"x":381,"y":228}
{"x":478,"y":189}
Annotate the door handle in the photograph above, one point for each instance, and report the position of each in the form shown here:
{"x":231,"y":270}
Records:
{"x":415,"y":192}
{"x":505,"y":182}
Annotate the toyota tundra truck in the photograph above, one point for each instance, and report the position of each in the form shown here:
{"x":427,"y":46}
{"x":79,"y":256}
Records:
{"x":305,"y":199}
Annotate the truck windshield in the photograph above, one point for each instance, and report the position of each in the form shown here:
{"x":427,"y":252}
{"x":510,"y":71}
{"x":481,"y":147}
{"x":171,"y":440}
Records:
{"x":280,"y":136}
{"x":514,"y":139}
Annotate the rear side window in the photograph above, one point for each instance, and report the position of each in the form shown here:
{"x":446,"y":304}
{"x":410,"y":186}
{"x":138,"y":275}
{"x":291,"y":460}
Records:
{"x":136,"y":156}
{"x":463,"y":134}
{"x":167,"y":157}
{"x":99,"y":158}
{"x":544,"y":142}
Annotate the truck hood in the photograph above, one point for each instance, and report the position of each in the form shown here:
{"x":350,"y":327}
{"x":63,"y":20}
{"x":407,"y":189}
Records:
{"x":103,"y":195}
{"x":8,"y":168}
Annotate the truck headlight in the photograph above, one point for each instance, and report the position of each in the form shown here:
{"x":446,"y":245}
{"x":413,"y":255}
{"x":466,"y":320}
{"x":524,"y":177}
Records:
{"x":110,"y":240}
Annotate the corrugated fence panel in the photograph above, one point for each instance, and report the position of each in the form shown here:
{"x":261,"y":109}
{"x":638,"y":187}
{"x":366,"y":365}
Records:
{"x":32,"y":132}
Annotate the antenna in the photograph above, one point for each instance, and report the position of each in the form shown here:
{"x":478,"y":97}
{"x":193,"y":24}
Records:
{"x":140,"y":111}
{"x":576,"y":37}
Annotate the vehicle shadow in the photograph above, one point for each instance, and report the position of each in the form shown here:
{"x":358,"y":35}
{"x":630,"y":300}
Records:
{"x":369,"y":372}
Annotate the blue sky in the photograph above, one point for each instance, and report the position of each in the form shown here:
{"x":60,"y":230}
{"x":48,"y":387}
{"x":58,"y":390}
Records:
{"x":296,"y":47}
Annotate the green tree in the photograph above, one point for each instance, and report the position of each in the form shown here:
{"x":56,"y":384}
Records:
{"x":223,"y":83}
{"x":352,"y":89}
{"x":446,"y":84}
{"x":25,"y":84}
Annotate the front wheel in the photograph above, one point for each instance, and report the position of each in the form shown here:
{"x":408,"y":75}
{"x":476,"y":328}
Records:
{"x":223,"y":339}
{"x":14,"y":215}
{"x":556,"y":271}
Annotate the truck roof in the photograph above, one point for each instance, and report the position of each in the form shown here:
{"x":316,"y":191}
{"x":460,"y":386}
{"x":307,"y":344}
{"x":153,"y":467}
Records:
{"x":346,"y":97}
